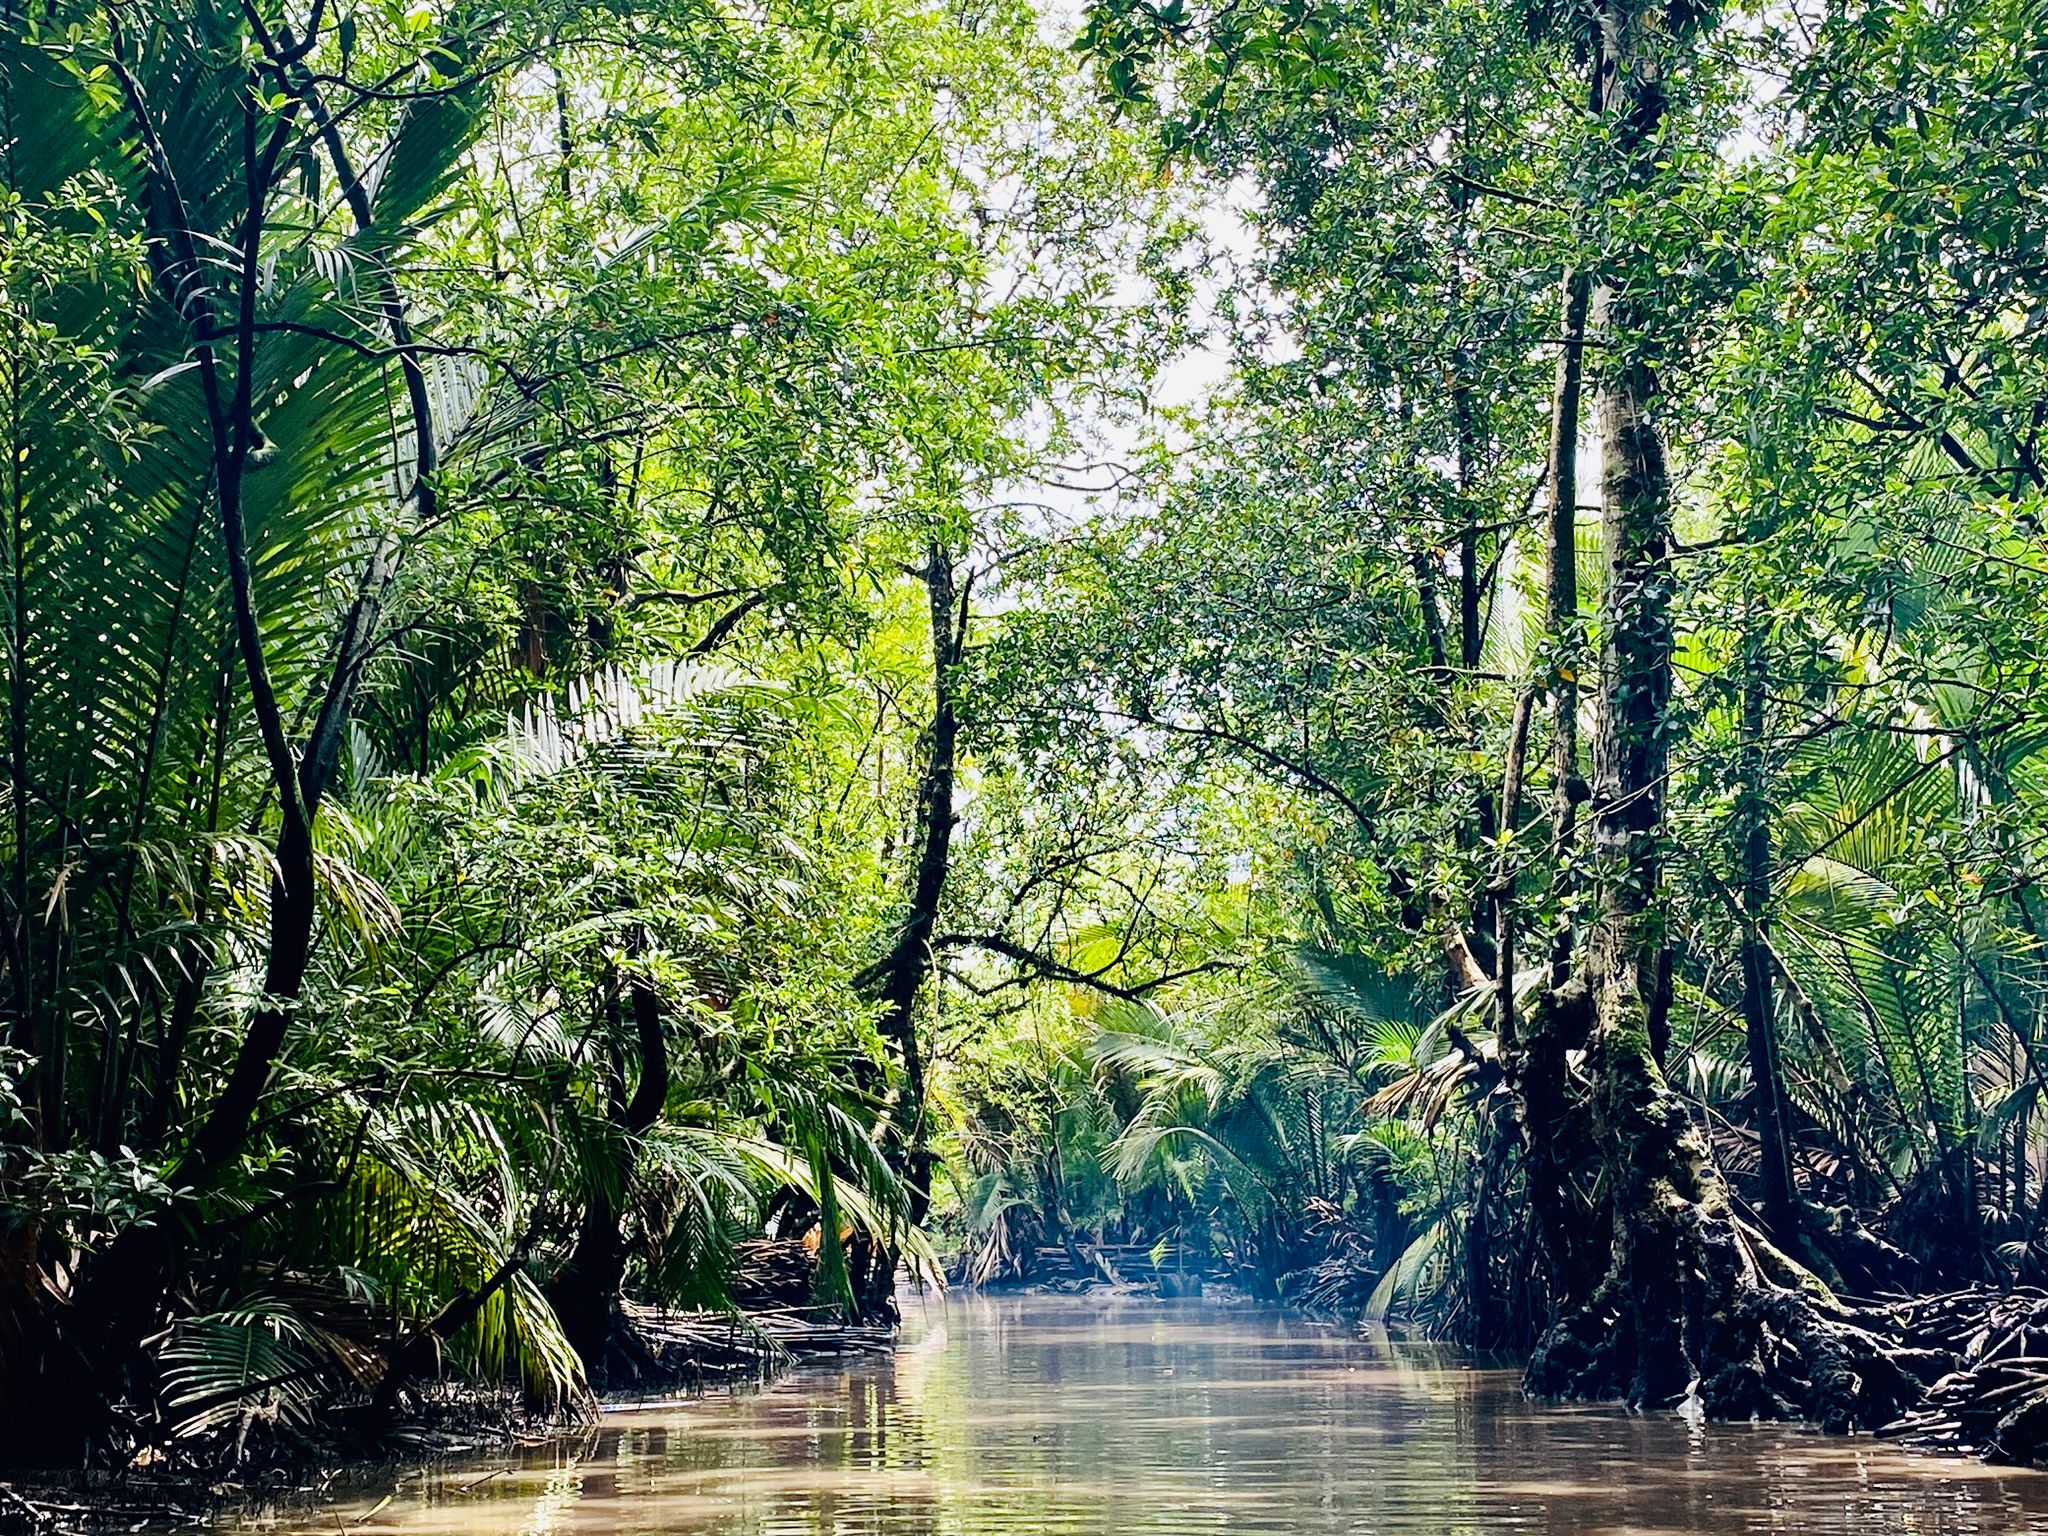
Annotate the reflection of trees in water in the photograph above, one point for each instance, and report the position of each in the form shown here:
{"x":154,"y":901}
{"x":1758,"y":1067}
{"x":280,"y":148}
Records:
{"x":1040,"y":1417}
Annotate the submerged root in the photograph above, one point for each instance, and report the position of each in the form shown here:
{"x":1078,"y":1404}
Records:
{"x":1990,"y":1394}
{"x":1768,"y":1352}
{"x":1965,"y":1371}
{"x":1809,"y":1362}
{"x":1700,"y":1307}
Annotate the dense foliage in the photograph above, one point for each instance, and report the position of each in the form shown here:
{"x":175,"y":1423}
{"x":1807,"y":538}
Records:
{"x":622,"y":636}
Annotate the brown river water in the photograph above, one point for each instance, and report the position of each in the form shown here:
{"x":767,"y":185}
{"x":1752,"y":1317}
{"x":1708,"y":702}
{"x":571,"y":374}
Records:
{"x":1084,"y":1417}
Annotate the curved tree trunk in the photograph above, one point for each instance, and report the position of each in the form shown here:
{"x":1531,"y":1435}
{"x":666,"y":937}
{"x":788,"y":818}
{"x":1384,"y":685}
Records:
{"x":908,"y":965}
{"x":586,"y":1294}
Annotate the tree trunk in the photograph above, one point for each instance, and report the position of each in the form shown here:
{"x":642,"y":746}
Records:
{"x":1561,"y":567}
{"x":1534,"y":1050}
{"x":1692,"y":1302}
{"x":909,"y":962}
{"x":1484,"y":919}
{"x":1664,"y":1188}
{"x":587,"y":1293}
{"x":1668,"y":1311}
{"x":122,"y":1293}
{"x":1491,"y":1323}
{"x":1759,"y":1015}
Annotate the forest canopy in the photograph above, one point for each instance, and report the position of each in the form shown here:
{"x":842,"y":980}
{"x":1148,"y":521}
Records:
{"x":1390,"y":648}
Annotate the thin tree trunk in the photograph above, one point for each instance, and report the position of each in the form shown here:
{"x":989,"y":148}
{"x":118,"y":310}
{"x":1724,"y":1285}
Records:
{"x":1423,"y":565}
{"x":1490,"y":1320}
{"x":1535,"y":1050}
{"x":1780,"y":1195}
{"x":301,"y":780}
{"x":1504,"y":876}
{"x":230,"y":410}
{"x":909,"y":963}
{"x":1471,"y":644}
{"x":46,"y":1085}
{"x":1561,"y":573}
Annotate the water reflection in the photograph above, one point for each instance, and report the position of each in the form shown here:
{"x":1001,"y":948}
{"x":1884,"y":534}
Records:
{"x":1076,"y":1418}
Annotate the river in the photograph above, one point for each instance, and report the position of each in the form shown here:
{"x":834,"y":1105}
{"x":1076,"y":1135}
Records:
{"x":1083,"y":1417}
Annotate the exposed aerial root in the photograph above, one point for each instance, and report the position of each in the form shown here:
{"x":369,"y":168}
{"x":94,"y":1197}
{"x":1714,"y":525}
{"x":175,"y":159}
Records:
{"x":1964,"y":1371}
{"x":1992,"y":1394}
{"x":1812,"y":1360}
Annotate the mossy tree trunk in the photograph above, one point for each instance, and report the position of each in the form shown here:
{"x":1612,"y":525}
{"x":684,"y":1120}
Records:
{"x":1693,"y":1301}
{"x":1656,"y":1321}
{"x":1534,"y":1048}
{"x":1674,"y":1306}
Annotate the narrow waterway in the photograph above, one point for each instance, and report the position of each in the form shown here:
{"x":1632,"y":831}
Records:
{"x":1079,"y":1417}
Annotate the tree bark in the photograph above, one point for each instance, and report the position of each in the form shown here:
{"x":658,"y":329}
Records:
{"x":1668,"y":1311}
{"x":121,"y":1294}
{"x":588,"y":1291}
{"x":908,"y":964}
{"x":1561,"y":566}
{"x":1534,"y":1050}
{"x":1693,"y":1302}
{"x":1491,"y":1324}
{"x":301,"y":780}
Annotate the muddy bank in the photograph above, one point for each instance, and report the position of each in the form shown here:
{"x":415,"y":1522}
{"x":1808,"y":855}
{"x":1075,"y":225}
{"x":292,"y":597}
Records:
{"x":273,"y":1475}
